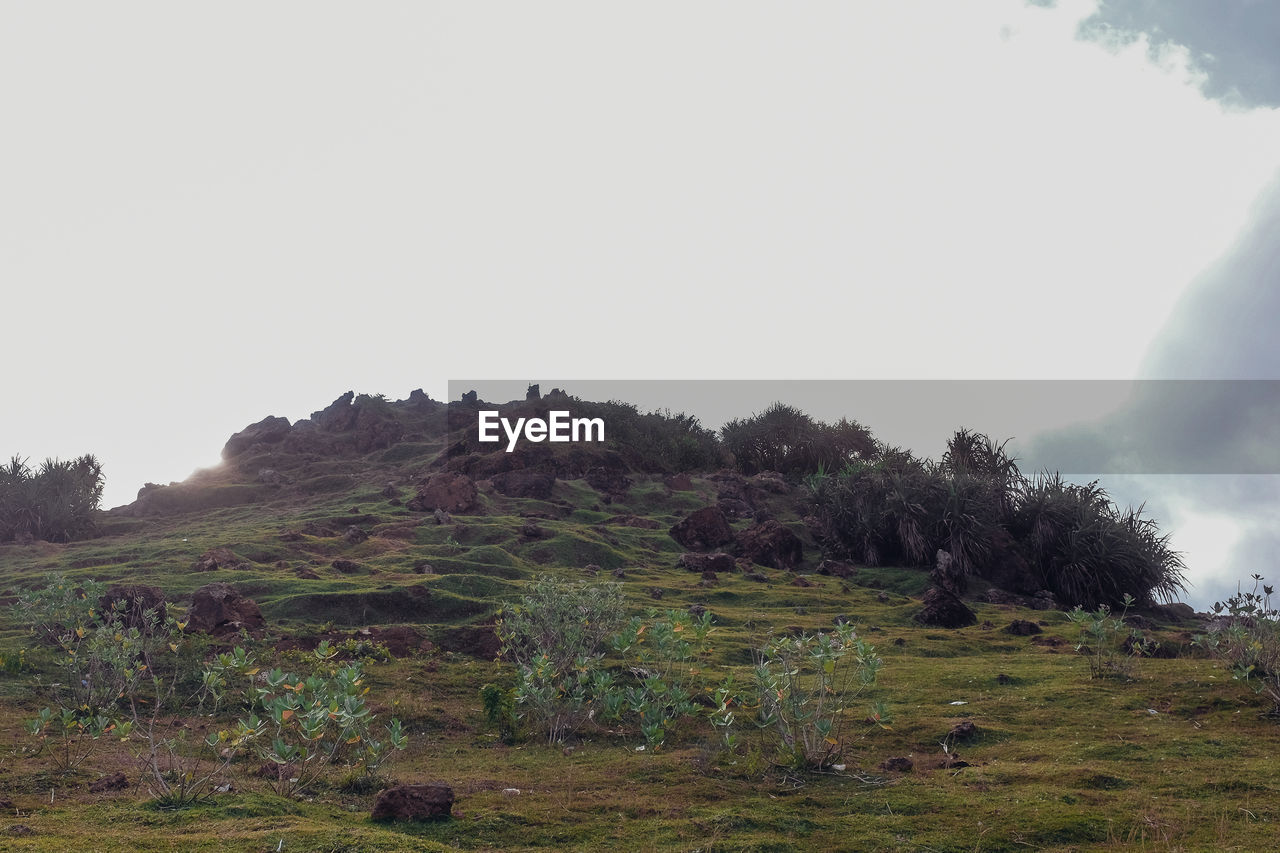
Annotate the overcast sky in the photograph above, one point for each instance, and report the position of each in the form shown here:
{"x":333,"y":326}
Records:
{"x":209,"y":214}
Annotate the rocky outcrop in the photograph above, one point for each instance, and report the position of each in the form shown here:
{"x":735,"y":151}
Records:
{"x":771,"y":544}
{"x":414,"y":802}
{"x":703,"y":530}
{"x":268,"y":431}
{"x":219,"y":609}
{"x":447,"y":490}
{"x":944,"y":610}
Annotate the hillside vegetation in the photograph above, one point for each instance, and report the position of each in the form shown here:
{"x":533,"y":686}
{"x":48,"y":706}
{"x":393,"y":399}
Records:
{"x":923,"y":611}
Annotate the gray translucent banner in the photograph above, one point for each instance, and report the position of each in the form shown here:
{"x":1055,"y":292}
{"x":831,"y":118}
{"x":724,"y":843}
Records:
{"x":1077,"y":427}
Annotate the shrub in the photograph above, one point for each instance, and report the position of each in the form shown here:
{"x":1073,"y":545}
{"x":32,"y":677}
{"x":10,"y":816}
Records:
{"x":662,"y":655}
{"x":802,"y":692}
{"x":1108,"y":642}
{"x":783,"y":438}
{"x":55,"y":502}
{"x":556,"y":636}
{"x":1249,"y":641}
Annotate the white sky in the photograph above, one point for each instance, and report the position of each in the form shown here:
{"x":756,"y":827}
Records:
{"x":209,"y":214}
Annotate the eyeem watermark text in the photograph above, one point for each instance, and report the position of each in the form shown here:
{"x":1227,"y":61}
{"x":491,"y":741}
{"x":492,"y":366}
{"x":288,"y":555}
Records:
{"x":558,"y":426}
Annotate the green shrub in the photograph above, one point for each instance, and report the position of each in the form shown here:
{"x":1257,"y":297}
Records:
{"x":783,"y":438}
{"x":1110,"y":645}
{"x":1249,"y":641}
{"x":556,"y":635}
{"x":802,"y":695}
{"x":55,"y":502}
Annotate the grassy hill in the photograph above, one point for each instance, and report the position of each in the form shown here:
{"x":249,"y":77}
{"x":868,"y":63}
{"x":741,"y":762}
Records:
{"x":1179,"y":757}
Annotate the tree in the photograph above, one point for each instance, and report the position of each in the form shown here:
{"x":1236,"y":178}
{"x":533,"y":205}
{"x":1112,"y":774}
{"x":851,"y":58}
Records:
{"x":55,"y":502}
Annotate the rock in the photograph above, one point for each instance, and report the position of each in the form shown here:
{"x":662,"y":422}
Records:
{"x":270,"y":430}
{"x":525,"y":483}
{"x":620,"y":573}
{"x":347,"y":567}
{"x":717,"y":562}
{"x":841,"y":619}
{"x":703,"y":530}
{"x":414,"y":802}
{"x":771,"y":544}
{"x":882,"y":597}
{"x":219,"y":609}
{"x":306,"y":574}
{"x":946,"y":574}
{"x":771,"y":481}
{"x":897,"y":764}
{"x":801,"y":581}
{"x":1002,"y":678}
{"x":1044,"y":600}
{"x":608,"y":480}
{"x":354,"y":535}
{"x":442,"y":517}
{"x":131,"y":602}
{"x":216,"y":558}
{"x":963,"y":730}
{"x":758,"y":577}
{"x":734,"y":508}
{"x":1022,"y":628}
{"x":944,"y":610}
{"x":709,"y":578}
{"x":21,"y":829}
{"x":114,"y":782}
{"x":448,"y":491}
{"x":656,"y":592}
{"x":679,"y":483}
{"x":390,"y":491}
{"x":697,"y":610}
{"x":837,"y":568}
{"x":1176,"y":612}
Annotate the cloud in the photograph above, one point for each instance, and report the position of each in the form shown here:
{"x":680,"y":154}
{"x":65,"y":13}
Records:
{"x":1231,"y":42}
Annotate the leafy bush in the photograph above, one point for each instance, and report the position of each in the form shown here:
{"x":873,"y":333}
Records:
{"x":55,"y":502}
{"x":783,"y":438}
{"x":662,"y":655}
{"x":556,"y":636}
{"x":801,"y":696}
{"x":1249,"y":641}
{"x":1109,"y":643}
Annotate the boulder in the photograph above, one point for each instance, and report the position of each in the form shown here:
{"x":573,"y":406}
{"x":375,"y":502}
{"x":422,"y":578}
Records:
{"x":133,"y":601}
{"x":525,"y":483}
{"x":944,"y":610}
{"x":347,"y":567}
{"x":771,"y":544}
{"x":679,"y":483}
{"x":270,"y":430}
{"x":1022,"y":628}
{"x":703,"y":530}
{"x":414,"y":802}
{"x":837,"y":568}
{"x":447,"y":491}
{"x":114,"y":782}
{"x":608,"y":480}
{"x":480,"y":641}
{"x":216,"y":558}
{"x":897,"y":764}
{"x":219,"y":609}
{"x":355,"y":535}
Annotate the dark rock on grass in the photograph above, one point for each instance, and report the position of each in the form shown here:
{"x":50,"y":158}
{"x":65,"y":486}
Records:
{"x":1002,"y":678}
{"x":944,"y":610}
{"x":679,"y":483}
{"x":656,"y":592}
{"x":320,"y":531}
{"x":131,"y":602}
{"x":306,"y":574}
{"x":735,"y":508}
{"x":414,"y":802}
{"x":703,"y":530}
{"x":841,"y":619}
{"x":591,"y":569}
{"x":709,"y":578}
{"x":448,"y":491}
{"x":347,"y":567}
{"x":442,"y":517}
{"x":1022,"y":628}
{"x":609,"y":481}
{"x":114,"y":782}
{"x":219,"y":609}
{"x":354,"y":535}
{"x":897,"y":764}
{"x":619,"y":573}
{"x":758,"y":577}
{"x":802,"y":581}
{"x":697,"y":610}
{"x":963,"y":730}
{"x":837,"y":569}
{"x":216,"y":558}
{"x":882,"y":597}
{"x":717,"y":562}
{"x":21,"y":829}
{"x":525,"y":483}
{"x":531,"y":532}
{"x":951,"y":761}
{"x":771,"y":544}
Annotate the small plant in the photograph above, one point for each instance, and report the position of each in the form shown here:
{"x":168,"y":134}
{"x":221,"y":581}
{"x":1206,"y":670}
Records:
{"x":310,"y":724}
{"x":663,"y":653}
{"x":500,"y":710}
{"x":1110,"y":645}
{"x":803,"y":692}
{"x":1249,"y":642}
{"x":556,"y":636}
